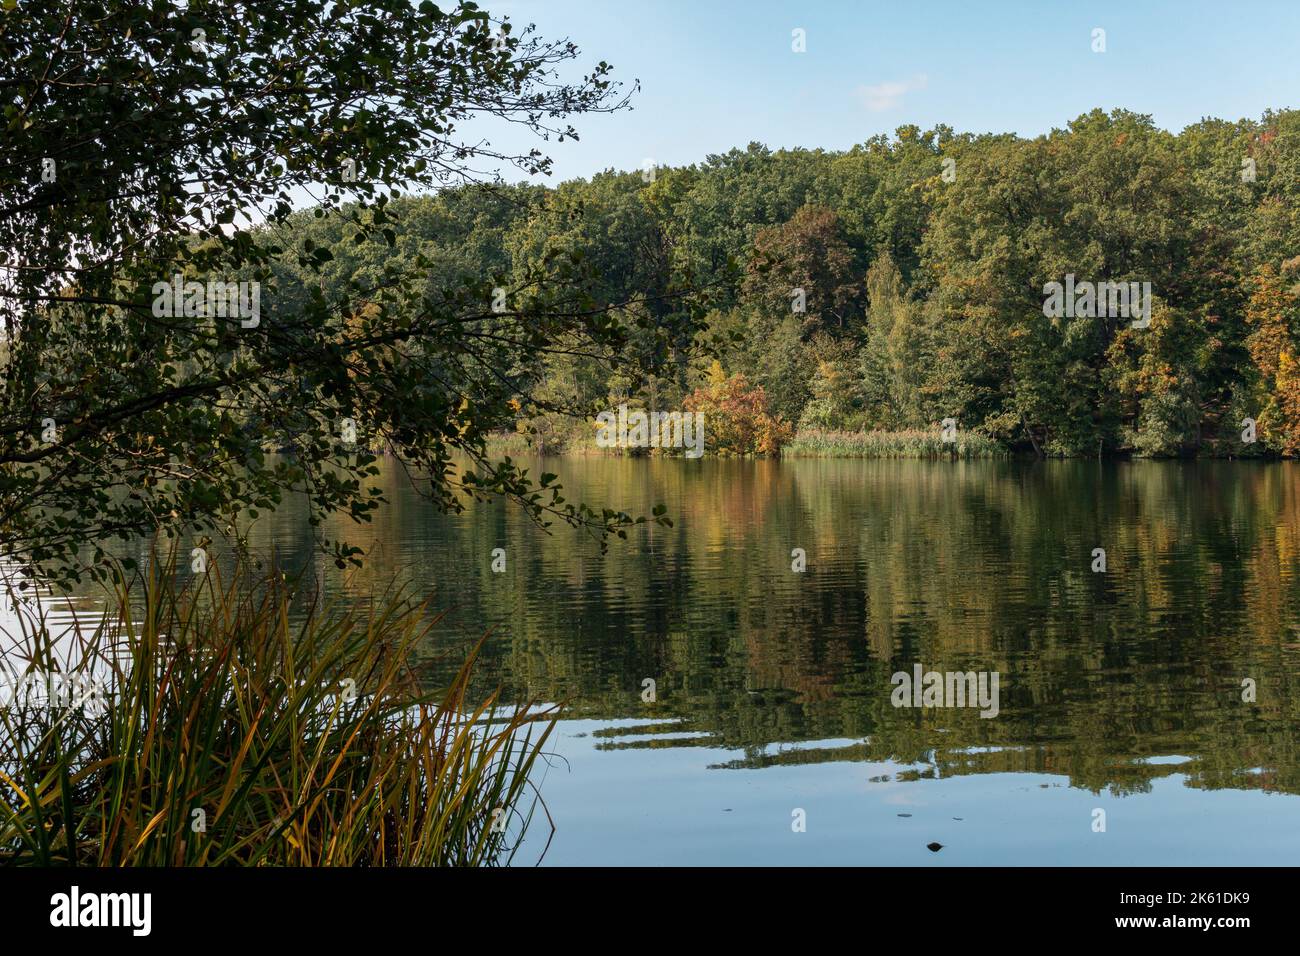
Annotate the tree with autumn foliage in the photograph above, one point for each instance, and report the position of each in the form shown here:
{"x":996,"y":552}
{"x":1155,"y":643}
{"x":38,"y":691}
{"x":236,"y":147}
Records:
{"x":737,"y":420}
{"x":808,"y":253}
{"x":1273,"y":312}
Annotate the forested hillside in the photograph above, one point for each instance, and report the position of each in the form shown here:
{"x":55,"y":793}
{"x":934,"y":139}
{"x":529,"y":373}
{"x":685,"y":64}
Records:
{"x":922,"y":260}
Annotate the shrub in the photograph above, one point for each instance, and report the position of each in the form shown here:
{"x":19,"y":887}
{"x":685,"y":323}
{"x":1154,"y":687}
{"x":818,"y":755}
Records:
{"x":737,"y":420}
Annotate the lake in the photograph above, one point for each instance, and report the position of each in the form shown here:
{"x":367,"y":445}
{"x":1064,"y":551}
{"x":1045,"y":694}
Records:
{"x":1158,"y":691}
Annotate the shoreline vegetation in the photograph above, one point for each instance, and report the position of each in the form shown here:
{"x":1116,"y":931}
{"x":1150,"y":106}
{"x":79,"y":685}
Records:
{"x":910,"y":443}
{"x":906,"y":443}
{"x":809,"y":443}
{"x":201,"y":724}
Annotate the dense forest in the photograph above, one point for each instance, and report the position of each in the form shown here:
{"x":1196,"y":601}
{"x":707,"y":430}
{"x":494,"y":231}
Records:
{"x":901,"y":283}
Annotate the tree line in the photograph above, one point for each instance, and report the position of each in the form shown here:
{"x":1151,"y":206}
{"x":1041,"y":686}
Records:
{"x":904,"y":281}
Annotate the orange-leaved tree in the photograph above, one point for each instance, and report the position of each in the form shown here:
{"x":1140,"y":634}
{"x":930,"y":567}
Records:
{"x":737,"y":419}
{"x":1272,"y":312}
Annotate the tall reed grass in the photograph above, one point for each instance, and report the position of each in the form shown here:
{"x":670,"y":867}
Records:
{"x":908,"y":443}
{"x":230,"y":732}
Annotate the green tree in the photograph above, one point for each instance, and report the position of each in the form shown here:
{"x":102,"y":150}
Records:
{"x":897,"y":358}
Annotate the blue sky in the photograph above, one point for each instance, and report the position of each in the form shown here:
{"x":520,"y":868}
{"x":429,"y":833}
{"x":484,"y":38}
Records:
{"x":721,"y":73}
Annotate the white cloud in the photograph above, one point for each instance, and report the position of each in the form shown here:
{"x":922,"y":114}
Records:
{"x":887,"y":96}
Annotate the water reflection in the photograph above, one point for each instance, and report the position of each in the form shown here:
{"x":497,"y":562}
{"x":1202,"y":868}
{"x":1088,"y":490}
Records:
{"x":1123,"y":682}
{"x":958,"y":566}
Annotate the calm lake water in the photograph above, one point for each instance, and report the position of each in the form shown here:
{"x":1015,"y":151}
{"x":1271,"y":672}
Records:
{"x":1119,"y":691}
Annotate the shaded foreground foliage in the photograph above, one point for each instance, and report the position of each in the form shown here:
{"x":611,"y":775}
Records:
{"x":168,"y":142}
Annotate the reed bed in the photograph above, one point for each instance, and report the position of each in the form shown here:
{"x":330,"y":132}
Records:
{"x":908,"y":443}
{"x":230,"y":732}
